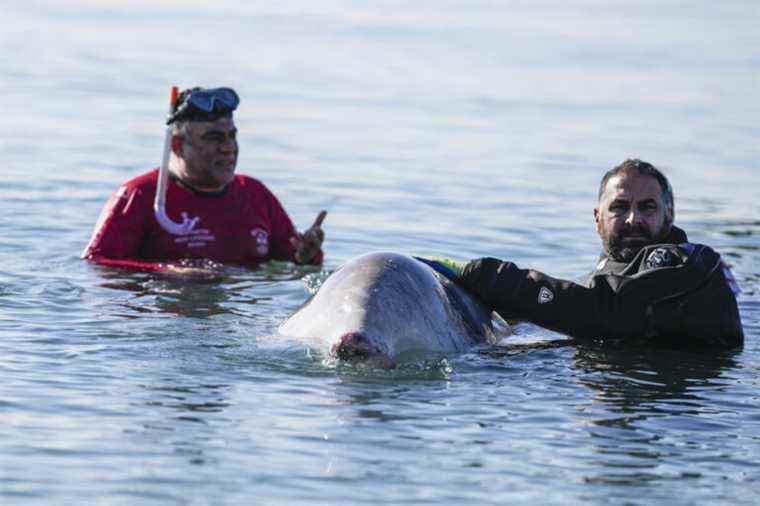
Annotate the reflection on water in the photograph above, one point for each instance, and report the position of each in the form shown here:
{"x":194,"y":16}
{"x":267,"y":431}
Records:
{"x":643,"y":399}
{"x":181,"y":298}
{"x":627,"y":378}
{"x":232,"y":290}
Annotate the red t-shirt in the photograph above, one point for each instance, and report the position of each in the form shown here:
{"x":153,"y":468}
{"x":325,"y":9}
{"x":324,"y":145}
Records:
{"x":244,"y":224}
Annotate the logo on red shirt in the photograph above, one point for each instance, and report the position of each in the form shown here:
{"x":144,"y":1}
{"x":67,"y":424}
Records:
{"x":262,"y":240}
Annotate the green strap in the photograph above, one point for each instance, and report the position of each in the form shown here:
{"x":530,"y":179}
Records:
{"x":457,"y":266}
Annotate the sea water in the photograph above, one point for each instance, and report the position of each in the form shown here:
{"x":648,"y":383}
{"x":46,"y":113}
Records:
{"x":461,"y":129}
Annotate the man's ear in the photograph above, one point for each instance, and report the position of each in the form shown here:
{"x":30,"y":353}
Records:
{"x":177,"y":142}
{"x":598,"y":221}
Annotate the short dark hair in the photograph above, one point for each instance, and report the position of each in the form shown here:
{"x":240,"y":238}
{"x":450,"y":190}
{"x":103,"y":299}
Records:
{"x":644,"y":169}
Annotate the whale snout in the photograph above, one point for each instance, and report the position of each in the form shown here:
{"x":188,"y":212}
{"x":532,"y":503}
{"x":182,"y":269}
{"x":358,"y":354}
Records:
{"x":355,"y":347}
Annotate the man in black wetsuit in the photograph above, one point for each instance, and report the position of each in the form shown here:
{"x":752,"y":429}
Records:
{"x":650,"y":286}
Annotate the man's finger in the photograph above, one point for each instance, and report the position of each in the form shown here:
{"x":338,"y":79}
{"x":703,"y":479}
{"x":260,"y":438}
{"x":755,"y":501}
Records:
{"x":320,"y":218}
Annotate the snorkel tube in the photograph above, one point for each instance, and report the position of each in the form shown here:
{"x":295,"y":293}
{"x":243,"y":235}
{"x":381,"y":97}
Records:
{"x":159,"y":205}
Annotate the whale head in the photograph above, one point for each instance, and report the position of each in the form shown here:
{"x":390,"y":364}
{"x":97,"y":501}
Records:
{"x":382,"y":308}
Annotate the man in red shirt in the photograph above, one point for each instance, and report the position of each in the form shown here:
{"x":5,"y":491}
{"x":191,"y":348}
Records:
{"x":227,"y":218}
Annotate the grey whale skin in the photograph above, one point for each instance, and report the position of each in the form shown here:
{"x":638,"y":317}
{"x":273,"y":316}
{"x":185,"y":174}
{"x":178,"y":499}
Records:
{"x":382,"y":308}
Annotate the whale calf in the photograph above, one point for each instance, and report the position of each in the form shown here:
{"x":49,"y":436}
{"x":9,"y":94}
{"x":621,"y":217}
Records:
{"x":385,"y":308}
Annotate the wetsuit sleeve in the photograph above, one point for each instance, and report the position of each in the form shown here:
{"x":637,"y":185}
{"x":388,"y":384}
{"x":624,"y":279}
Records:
{"x":282,"y":231}
{"x":119,"y":233}
{"x":684,"y":306}
{"x":564,"y":306}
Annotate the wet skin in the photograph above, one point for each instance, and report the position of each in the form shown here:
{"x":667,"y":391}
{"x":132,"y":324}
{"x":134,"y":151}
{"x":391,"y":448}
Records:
{"x":631,"y":215}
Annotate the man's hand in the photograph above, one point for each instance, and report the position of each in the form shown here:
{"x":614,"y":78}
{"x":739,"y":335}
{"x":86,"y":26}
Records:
{"x":308,"y":244}
{"x":482,"y":275}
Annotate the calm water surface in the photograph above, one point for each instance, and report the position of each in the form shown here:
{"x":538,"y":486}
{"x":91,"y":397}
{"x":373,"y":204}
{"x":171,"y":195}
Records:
{"x":452,"y":128}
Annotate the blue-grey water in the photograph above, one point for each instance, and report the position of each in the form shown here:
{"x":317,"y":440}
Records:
{"x":440,"y":127}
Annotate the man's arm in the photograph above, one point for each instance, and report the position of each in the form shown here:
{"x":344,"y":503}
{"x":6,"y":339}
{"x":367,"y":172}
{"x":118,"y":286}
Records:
{"x":686,"y":305}
{"x":119,"y":232}
{"x":564,"y":306}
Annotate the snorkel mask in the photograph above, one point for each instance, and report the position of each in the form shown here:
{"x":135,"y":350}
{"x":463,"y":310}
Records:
{"x":199,"y":104}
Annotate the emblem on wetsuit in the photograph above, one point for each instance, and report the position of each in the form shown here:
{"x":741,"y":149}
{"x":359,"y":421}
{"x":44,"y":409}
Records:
{"x":262,"y":240}
{"x":662,"y":257}
{"x":545,"y":295}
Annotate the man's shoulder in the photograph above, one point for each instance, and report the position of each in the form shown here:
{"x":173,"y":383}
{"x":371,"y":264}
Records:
{"x":145,"y":181}
{"x":251,"y":185}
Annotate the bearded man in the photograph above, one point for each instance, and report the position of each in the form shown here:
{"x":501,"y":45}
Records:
{"x":651,"y":284}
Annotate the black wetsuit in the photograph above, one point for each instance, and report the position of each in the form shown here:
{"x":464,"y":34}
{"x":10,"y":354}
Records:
{"x":674,"y":294}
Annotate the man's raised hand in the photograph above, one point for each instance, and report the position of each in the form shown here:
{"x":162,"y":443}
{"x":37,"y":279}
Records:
{"x":308,"y":244}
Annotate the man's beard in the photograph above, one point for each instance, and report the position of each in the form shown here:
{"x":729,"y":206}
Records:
{"x":630,"y":240}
